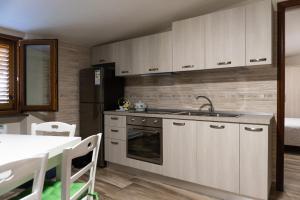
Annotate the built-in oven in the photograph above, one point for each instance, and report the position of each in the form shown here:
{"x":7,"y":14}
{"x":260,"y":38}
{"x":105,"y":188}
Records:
{"x":144,"y":139}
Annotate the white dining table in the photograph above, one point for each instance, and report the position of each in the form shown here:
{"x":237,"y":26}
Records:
{"x":15,"y":147}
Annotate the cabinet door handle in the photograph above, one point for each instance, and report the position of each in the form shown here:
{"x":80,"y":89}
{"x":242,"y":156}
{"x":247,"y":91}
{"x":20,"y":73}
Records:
{"x":217,"y":126}
{"x":224,"y":63}
{"x":155,"y":121}
{"x":258,"y":60}
{"x":254,"y":129}
{"x":114,"y":118}
{"x":178,"y":124}
{"x":124,"y":72}
{"x":115,"y":131}
{"x":143,"y":120}
{"x":187,"y":66}
{"x":132,"y":119}
{"x":153,"y":69}
{"x":114,"y":143}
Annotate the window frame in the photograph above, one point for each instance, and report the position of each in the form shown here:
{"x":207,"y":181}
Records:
{"x":13,"y":107}
{"x":53,"y":90}
{"x":17,"y":76}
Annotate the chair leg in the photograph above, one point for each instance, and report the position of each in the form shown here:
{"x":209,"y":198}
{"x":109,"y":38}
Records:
{"x":58,"y":172}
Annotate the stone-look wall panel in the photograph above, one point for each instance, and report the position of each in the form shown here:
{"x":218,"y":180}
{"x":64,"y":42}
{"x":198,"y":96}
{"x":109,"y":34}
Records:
{"x":71,"y":59}
{"x":237,"y":89}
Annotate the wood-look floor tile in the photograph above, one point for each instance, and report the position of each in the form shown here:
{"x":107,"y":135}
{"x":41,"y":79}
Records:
{"x":117,"y":179}
{"x":170,"y":191}
{"x":137,"y":192}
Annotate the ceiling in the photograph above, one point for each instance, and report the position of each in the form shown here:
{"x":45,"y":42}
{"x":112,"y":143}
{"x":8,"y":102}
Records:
{"x":292,"y":32}
{"x":91,"y":22}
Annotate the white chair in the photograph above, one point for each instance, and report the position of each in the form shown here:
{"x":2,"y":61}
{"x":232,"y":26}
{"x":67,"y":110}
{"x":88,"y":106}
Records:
{"x":13,"y":173}
{"x":56,"y":127}
{"x":90,"y":144}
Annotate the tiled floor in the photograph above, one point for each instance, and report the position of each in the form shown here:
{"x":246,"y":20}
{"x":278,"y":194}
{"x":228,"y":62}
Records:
{"x":116,"y":185}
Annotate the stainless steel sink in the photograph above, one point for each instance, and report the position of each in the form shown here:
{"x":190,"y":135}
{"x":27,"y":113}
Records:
{"x":208,"y":114}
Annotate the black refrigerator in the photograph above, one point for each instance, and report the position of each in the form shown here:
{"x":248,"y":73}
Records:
{"x":100,"y":90}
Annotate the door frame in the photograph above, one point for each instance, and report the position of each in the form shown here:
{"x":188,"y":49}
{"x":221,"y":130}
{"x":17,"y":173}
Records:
{"x":281,"y":8}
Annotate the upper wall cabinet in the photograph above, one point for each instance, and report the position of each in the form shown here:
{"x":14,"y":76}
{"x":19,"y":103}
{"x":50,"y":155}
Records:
{"x":259,"y":33}
{"x":241,"y":36}
{"x":156,"y":53}
{"x":188,"y":44}
{"x":225,"y":38}
{"x":104,"y":54}
{"x":124,"y":52}
{"x":144,"y":55}
{"x":163,"y":52}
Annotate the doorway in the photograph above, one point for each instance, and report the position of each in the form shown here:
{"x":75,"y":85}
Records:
{"x":288,"y":106}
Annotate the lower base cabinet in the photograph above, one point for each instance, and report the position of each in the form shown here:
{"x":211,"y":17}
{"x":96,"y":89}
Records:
{"x":255,"y":161}
{"x":218,"y":155}
{"x":115,"y":151}
{"x":227,"y":156}
{"x":179,"y":147}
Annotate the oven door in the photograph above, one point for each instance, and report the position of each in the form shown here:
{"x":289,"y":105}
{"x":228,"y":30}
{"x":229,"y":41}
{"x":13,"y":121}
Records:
{"x":144,"y":143}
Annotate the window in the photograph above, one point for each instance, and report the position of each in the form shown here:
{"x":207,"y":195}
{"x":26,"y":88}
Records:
{"x":28,"y":75}
{"x":38,"y":75}
{"x":8,"y":81}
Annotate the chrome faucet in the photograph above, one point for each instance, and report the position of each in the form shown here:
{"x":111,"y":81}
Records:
{"x":211,"y":109}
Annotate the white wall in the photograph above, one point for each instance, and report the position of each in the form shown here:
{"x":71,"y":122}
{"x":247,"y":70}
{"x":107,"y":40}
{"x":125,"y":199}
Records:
{"x":292,"y":87}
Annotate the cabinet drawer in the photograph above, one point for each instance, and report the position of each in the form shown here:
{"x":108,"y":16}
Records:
{"x":115,"y":133}
{"x":115,"y":151}
{"x":115,"y":121}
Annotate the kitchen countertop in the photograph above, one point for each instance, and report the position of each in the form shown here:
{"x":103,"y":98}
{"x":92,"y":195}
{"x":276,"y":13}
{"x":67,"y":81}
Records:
{"x":243,"y":118}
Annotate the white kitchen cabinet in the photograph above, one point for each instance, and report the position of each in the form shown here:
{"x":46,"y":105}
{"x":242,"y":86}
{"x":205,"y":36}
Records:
{"x":225,"y":38}
{"x":156,"y":53}
{"x":259,"y":33}
{"x":115,"y":151}
{"x":138,"y":58}
{"x":218,"y":155}
{"x":255,"y":161}
{"x":114,"y":121}
{"x":104,"y":54}
{"x":188,"y":44}
{"x":115,"y":133}
{"x":124,"y":53}
{"x":144,"y":55}
{"x":179,"y":149}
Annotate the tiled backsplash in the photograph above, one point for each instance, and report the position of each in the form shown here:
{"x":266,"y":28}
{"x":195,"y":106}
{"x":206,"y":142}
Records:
{"x":251,"y":89}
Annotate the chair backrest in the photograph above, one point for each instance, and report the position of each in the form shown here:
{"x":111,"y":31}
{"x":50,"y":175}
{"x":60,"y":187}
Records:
{"x":91,"y":143}
{"x":56,"y":127}
{"x":13,"y":173}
